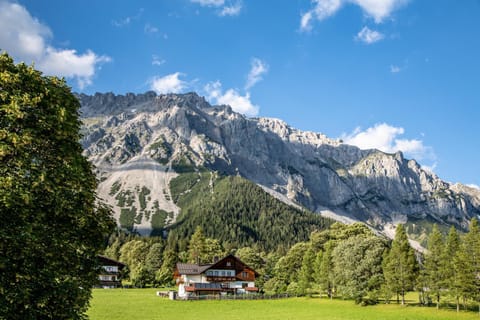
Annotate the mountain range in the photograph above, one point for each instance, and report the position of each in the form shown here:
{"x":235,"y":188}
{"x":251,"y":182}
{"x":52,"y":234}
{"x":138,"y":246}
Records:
{"x":140,"y":143}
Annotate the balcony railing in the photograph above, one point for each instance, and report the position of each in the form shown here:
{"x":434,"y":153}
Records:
{"x":220,"y":278}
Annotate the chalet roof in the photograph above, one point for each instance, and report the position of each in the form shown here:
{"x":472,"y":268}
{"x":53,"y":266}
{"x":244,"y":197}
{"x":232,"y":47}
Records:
{"x":238,"y":260}
{"x":191,"y":268}
{"x":105,"y":261}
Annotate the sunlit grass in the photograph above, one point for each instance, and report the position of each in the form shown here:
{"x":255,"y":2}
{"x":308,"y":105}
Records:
{"x":144,"y":304}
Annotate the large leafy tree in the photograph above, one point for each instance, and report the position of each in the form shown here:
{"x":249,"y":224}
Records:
{"x":51,"y":228}
{"x":358,"y":267}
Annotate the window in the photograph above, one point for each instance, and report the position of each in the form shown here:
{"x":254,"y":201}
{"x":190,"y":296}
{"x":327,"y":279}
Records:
{"x":223,"y":273}
{"x":216,"y":273}
{"x":110,"y":268}
{"x":244,"y":274}
{"x":229,"y":264}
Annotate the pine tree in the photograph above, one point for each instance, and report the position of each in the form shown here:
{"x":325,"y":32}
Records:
{"x":433,"y":272}
{"x":164,"y":276}
{"x":196,"y":246}
{"x":468,"y":264}
{"x":401,"y":266}
{"x":450,"y":265}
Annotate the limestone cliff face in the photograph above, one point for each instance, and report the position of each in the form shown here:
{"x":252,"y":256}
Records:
{"x":143,"y":140}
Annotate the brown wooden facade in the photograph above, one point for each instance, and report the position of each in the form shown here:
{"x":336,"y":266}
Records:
{"x":109,"y":273}
{"x":228,"y":275}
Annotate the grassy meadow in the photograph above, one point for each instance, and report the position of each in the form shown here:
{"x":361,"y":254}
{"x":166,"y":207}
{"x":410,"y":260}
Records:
{"x":143,"y":304}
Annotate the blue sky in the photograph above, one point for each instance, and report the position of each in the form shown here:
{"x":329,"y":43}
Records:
{"x":391,"y":74}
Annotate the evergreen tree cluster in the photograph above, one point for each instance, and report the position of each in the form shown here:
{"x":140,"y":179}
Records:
{"x":451,"y":267}
{"x":237,"y":212}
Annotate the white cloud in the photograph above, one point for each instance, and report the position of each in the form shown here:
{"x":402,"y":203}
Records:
{"x":150,"y":29}
{"x":322,"y":10}
{"x":385,"y":137}
{"x":306,"y":21}
{"x":395,"y":69}
{"x":209,"y":3}
{"x":157,"y":61}
{"x":71,"y":65}
{"x":170,"y":83}
{"x":379,"y":10}
{"x":231,"y":10}
{"x":258,"y":68}
{"x":231,"y":97}
{"x":127,"y":20}
{"x":369,"y":36}
{"x":26,"y":39}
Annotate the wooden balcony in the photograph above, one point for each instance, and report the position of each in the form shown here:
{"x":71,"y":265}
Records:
{"x":220,"y":279}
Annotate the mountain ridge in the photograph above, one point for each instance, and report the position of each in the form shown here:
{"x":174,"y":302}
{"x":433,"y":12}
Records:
{"x":309,"y":169}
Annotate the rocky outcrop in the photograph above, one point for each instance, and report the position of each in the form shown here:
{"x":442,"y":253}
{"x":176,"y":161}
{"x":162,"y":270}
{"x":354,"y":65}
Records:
{"x":306,"y":168}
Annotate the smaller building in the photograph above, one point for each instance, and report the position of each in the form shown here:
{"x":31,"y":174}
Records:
{"x":110,"y":273}
{"x":228,"y":275}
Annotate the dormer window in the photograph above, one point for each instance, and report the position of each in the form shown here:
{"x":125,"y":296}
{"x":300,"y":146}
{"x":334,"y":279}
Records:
{"x":229,"y":264}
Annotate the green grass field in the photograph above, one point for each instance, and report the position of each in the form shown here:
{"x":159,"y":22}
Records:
{"x":143,"y":304}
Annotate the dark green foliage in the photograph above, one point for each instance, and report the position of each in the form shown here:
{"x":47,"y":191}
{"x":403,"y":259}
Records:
{"x":132,"y":144}
{"x":358,"y":267}
{"x":115,"y":188}
{"x":51,"y":229}
{"x":400,"y":265}
{"x":127,"y":218}
{"x":158,"y":220}
{"x":162,"y":150}
{"x":433,"y":272}
{"x":183,"y":165}
{"x":307,"y":272}
{"x":142,"y":197}
{"x":419,"y":229}
{"x":203,"y":250}
{"x":164,"y":276}
{"x":181,"y":187}
{"x":138,"y":217}
{"x":153,"y":260}
{"x":125,"y":198}
{"x":467,"y":263}
{"x":234,"y":210}
{"x":450,"y":267}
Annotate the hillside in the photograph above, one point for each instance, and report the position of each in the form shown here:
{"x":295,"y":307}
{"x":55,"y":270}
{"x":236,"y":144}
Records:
{"x":140,"y":143}
{"x":238,"y":213}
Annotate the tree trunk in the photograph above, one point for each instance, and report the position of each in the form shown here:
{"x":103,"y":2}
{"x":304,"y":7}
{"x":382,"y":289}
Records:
{"x":458,"y":304}
{"x":403,"y":297}
{"x":438,"y":301}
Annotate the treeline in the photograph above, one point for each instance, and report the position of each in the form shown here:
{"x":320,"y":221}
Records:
{"x":237,"y":212}
{"x":347,"y":261}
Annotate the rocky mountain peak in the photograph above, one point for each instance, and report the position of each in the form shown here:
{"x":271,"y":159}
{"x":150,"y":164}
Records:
{"x":145,"y":140}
